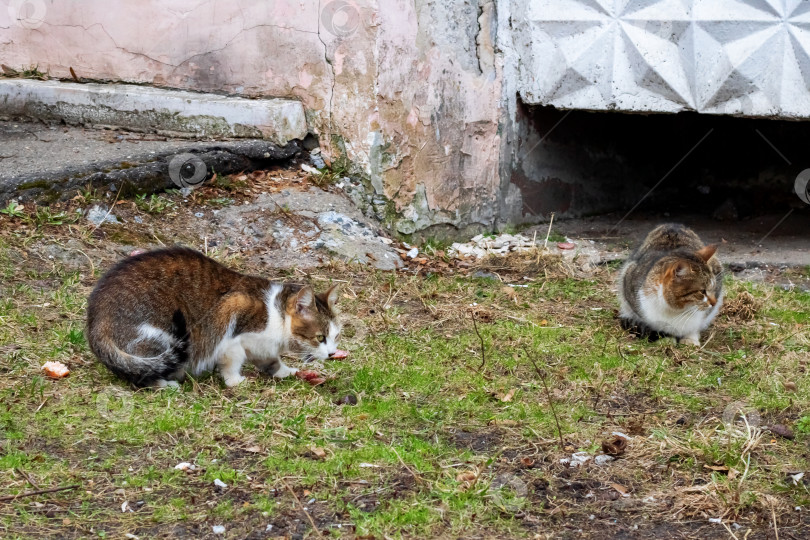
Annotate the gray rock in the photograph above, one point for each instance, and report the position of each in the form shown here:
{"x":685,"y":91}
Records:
{"x":99,"y":214}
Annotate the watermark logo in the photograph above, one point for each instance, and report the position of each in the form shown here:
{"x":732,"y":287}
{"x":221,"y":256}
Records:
{"x":802,"y":186}
{"x":353,"y":331}
{"x":740,"y":414}
{"x":28,"y":14}
{"x":508,"y":492}
{"x":340,"y":18}
{"x":187,"y":170}
{"x":114,"y":404}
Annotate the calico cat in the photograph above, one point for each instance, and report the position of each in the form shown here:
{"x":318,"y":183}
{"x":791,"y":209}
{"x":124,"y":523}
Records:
{"x":671,"y":285}
{"x":158,"y":315}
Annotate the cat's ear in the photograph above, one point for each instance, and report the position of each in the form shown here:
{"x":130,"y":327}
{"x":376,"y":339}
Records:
{"x":331,"y":297}
{"x":707,"y":252}
{"x":303,"y":300}
{"x":679,"y":269}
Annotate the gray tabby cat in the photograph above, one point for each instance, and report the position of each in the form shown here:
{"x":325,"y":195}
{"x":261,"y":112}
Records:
{"x":671,"y":285}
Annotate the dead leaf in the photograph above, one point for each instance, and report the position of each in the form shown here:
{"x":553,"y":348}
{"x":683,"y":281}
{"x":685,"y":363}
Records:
{"x":621,"y":489}
{"x":615,"y":446}
{"x":721,"y":468}
{"x":506,"y":423}
{"x":527,"y":462}
{"x":467,"y":479}
{"x":508,"y":396}
{"x":318,"y":451}
{"x":790,"y":386}
{"x":733,"y":473}
{"x":254,"y":449}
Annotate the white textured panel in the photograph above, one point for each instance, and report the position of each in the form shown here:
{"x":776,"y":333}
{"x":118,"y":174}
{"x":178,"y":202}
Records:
{"x":739,"y":57}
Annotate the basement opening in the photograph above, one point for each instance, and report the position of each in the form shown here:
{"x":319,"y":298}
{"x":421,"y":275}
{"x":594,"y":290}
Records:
{"x":717,"y":173}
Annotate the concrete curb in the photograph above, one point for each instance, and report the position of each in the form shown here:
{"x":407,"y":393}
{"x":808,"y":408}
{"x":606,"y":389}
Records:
{"x":157,"y":110}
{"x":145,"y":173}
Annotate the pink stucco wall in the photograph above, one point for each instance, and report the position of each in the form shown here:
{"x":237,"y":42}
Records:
{"x":411,"y":87}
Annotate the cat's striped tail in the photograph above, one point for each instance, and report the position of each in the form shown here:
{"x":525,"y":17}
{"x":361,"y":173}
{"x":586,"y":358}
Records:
{"x":167,"y":353}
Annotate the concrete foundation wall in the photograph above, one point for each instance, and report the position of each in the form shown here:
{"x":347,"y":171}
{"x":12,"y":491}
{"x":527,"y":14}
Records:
{"x":410,"y":90}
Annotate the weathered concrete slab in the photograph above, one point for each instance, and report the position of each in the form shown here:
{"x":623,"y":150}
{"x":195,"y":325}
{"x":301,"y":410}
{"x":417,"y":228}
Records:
{"x":736,"y":57}
{"x":154,"y":110}
{"x":43,"y":163}
{"x":315,"y":226}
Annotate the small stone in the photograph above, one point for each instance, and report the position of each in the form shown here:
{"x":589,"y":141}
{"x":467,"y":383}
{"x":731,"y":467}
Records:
{"x":218,"y":529}
{"x":349,"y":399}
{"x":790,"y":386}
{"x":413,"y":253}
{"x":782,"y":430}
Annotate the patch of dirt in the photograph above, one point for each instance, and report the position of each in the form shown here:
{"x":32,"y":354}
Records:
{"x":485,"y":441}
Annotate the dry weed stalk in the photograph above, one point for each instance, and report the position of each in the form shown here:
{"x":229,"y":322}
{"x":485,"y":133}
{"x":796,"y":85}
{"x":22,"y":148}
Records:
{"x":542,"y":376}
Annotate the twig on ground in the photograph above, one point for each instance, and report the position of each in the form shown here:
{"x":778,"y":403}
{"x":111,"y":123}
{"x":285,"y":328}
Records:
{"x":37,"y":492}
{"x":545,"y":243}
{"x":112,"y":207}
{"x":309,"y":517}
{"x":548,"y":395}
{"x":28,"y":478}
{"x":415,"y":476}
{"x":483,"y":356}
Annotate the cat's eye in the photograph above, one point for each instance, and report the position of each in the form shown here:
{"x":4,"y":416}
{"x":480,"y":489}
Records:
{"x":321,"y":338}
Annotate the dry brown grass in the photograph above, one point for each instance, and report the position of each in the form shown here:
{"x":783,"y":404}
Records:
{"x":534,"y":262}
{"x":742,"y":307}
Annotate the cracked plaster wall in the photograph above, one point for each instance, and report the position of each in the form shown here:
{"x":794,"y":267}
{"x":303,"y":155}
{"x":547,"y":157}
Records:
{"x":410,"y":89}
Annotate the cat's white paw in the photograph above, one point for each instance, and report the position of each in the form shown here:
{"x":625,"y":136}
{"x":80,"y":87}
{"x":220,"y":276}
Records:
{"x":233,"y":380}
{"x":691,"y":340}
{"x":284,"y":371}
{"x":161,"y":384}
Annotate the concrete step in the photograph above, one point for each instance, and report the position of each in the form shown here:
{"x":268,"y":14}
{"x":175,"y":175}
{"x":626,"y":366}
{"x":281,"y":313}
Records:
{"x":154,"y":110}
{"x":50,"y":163}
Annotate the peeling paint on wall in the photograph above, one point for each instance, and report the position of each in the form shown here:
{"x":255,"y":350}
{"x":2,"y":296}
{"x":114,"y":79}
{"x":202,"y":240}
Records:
{"x":411,"y":88}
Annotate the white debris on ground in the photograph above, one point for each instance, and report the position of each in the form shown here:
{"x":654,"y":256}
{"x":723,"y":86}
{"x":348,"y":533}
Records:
{"x":99,"y":214}
{"x":583,"y":253}
{"x":483,"y":245}
{"x":577,"y":459}
{"x":603,"y":459}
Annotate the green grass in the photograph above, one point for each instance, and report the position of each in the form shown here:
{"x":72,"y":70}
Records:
{"x":425,"y":415}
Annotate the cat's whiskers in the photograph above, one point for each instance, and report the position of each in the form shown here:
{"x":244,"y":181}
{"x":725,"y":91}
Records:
{"x":689,"y":315}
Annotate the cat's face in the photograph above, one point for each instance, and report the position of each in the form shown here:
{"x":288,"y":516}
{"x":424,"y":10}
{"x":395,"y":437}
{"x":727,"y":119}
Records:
{"x":691,"y":282}
{"x":314,"y":323}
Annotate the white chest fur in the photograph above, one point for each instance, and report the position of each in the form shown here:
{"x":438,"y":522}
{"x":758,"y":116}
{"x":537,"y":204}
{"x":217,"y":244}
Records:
{"x":660,"y":316}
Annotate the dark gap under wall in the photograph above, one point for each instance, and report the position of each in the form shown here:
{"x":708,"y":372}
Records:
{"x":594,"y":162}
